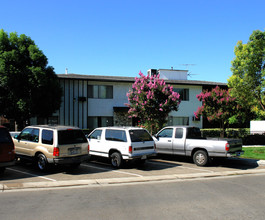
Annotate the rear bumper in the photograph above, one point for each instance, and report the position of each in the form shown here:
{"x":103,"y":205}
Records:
{"x":235,"y":154}
{"x":138,"y":156}
{"x":69,"y":160}
{"x":7,"y":164}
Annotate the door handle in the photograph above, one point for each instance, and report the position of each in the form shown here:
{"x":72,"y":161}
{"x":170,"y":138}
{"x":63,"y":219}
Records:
{"x":169,"y":141}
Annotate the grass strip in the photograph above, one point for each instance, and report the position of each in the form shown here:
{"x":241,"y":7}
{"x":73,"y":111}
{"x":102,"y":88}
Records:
{"x":257,"y":153}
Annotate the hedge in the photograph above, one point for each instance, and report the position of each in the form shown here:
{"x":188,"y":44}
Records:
{"x":242,"y":133}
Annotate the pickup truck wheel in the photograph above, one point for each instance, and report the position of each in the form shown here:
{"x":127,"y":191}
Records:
{"x":42,"y":162}
{"x":200,"y":158}
{"x":116,"y":159}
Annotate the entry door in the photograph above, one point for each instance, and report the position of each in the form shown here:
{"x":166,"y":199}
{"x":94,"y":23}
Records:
{"x":179,"y":142}
{"x":95,"y":145}
{"x":164,"y":141}
{"x":24,"y":144}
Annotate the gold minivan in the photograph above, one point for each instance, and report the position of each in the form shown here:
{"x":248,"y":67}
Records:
{"x":52,"y":144}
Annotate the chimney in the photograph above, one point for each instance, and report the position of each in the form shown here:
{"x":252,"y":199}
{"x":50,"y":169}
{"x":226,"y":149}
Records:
{"x":66,"y":71}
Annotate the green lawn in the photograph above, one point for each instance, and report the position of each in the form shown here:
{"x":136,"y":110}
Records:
{"x":254,"y":153}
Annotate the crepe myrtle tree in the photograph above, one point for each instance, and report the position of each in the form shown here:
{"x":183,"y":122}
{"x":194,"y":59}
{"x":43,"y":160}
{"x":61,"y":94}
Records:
{"x":150,"y":101}
{"x":218,"y":106}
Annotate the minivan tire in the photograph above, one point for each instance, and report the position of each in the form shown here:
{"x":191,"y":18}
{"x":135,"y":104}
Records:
{"x":116,"y":159}
{"x":42,"y":162}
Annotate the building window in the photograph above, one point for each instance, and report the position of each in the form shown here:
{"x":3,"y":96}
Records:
{"x":178,"y":121}
{"x":95,"y":122}
{"x":100,"y":92}
{"x":184,"y":93}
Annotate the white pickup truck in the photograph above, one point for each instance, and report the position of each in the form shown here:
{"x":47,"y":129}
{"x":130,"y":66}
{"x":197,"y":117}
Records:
{"x":187,"y":141}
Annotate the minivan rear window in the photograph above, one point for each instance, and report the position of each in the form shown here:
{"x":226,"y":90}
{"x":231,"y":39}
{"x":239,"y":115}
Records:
{"x":115,"y":135}
{"x":71,"y":137}
{"x":140,"y":136}
{"x":5,"y":136}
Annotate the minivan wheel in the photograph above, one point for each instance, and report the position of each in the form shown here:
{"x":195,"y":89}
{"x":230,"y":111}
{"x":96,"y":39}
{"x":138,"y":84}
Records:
{"x":200,"y":158}
{"x":42,"y":162}
{"x":116,"y":159}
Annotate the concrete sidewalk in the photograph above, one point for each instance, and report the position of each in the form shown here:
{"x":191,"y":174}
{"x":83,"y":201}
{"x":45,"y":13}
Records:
{"x":126,"y":180}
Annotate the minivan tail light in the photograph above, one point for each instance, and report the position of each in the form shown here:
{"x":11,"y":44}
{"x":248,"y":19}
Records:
{"x":56,"y":152}
{"x":88,"y":148}
{"x":227,"y":146}
{"x":130,"y":149}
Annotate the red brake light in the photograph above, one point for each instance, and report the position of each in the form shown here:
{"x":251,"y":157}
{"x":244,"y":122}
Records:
{"x":130,"y":149}
{"x":56,"y":152}
{"x":227,"y":146}
{"x":88,"y":147}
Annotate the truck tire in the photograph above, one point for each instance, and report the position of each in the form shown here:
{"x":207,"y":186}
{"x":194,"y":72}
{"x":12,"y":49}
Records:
{"x":42,"y":163}
{"x":116,"y":159}
{"x":200,"y":158}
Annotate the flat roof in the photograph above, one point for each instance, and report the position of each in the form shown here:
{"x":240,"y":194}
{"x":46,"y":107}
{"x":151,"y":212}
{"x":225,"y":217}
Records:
{"x":132,"y":79}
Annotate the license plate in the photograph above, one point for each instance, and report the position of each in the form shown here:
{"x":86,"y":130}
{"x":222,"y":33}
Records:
{"x":143,"y":157}
{"x":239,"y":153}
{"x":72,"y":151}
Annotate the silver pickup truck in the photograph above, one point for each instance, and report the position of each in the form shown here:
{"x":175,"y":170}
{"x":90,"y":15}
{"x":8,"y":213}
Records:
{"x":187,"y":141}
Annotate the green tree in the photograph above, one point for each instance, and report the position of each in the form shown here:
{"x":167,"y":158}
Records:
{"x":28,"y":87}
{"x":151,"y":100}
{"x":218,"y":106}
{"x":247,"y":82}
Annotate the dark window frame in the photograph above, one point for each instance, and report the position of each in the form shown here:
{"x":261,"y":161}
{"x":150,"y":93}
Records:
{"x":108,"y":94}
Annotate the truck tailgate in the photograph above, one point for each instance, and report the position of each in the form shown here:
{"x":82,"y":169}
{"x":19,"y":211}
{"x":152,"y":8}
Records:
{"x":235,"y":145}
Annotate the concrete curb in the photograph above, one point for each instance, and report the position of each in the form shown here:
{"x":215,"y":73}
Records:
{"x":42,"y":185}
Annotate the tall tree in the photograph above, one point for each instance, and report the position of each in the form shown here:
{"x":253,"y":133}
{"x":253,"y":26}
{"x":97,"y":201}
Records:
{"x":151,"y":100}
{"x":218,"y":106}
{"x":28,"y":86}
{"x":248,"y":80}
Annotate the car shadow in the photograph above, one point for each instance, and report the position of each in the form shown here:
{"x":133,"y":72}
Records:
{"x":233,"y":163}
{"x":24,"y":170}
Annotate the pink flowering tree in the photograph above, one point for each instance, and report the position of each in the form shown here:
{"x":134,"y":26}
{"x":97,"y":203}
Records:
{"x":218,"y":106}
{"x":151,"y":100}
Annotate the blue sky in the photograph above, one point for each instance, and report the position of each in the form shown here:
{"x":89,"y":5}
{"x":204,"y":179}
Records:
{"x":122,"y":37}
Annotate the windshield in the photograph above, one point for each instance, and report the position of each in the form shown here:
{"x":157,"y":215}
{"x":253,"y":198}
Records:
{"x":71,"y":137}
{"x":140,"y":136}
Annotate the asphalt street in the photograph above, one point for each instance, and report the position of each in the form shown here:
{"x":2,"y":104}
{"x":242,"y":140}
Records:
{"x":232,"y":197}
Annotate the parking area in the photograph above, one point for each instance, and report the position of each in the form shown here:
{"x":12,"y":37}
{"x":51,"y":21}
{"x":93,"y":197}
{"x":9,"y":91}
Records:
{"x":101,"y":169}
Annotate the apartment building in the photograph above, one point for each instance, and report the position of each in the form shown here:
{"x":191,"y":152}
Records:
{"x":91,"y":101}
